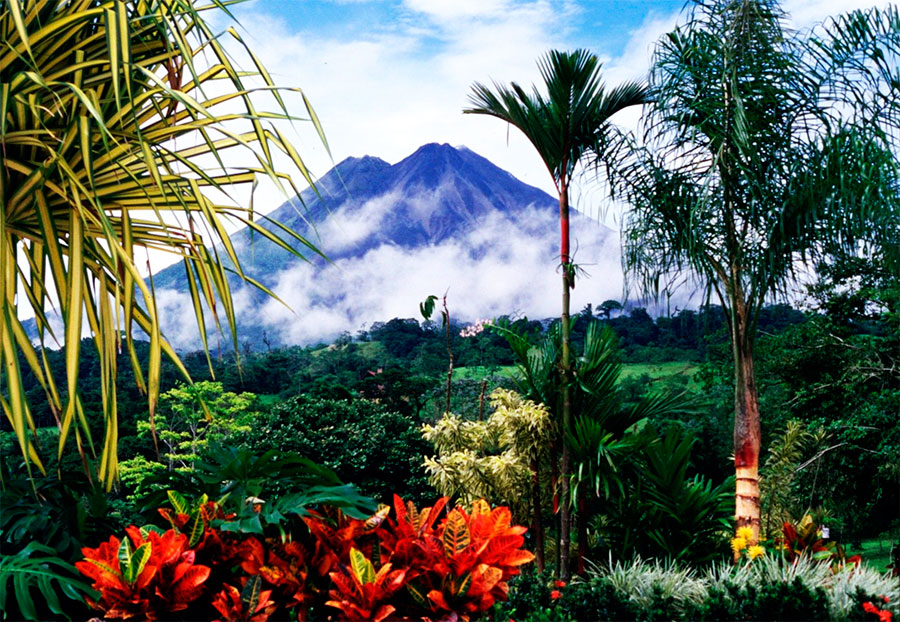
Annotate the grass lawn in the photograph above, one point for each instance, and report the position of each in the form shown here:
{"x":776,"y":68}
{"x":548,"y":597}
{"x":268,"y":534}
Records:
{"x":674,"y":372}
{"x":875,"y":552}
{"x":479,"y":372}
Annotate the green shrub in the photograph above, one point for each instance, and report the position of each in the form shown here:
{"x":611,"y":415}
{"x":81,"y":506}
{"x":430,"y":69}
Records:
{"x":781,"y":601}
{"x":377,"y":449}
{"x":529,"y":596}
{"x":597,"y":599}
{"x":537,"y":597}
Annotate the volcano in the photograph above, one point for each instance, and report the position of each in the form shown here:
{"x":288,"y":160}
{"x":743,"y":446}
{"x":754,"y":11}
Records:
{"x":444,"y":219}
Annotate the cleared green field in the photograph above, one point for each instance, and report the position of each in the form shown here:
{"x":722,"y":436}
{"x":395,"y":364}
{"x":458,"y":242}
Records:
{"x":368,"y":349}
{"x":676,"y":372}
{"x":477,"y":372}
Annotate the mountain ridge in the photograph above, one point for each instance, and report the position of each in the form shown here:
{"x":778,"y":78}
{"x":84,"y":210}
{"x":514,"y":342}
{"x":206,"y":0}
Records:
{"x":442,"y":217}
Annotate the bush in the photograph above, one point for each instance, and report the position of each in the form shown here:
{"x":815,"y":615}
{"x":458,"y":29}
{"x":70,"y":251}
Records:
{"x":781,"y":601}
{"x":421,"y":564}
{"x":767,"y":588}
{"x":535,"y":597}
{"x":377,"y":449}
{"x":665,"y":512}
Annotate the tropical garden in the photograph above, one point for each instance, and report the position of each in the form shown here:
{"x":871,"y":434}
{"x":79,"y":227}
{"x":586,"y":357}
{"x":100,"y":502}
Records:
{"x":738,"y":461}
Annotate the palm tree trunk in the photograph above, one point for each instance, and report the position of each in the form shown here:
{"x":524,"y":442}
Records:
{"x":746,"y":424}
{"x":565,"y":509}
{"x":581,"y":521}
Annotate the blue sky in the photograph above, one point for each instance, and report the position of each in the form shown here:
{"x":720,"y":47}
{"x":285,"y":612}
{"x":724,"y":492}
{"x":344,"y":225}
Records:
{"x":603,"y":25}
{"x":387,"y":76}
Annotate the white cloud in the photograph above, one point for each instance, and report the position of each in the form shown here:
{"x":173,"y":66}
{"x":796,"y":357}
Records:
{"x":459,"y":9}
{"x":501,"y":265}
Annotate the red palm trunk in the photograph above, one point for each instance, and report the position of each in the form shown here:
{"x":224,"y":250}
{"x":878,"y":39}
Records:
{"x":565,"y":509}
{"x":746,"y":424}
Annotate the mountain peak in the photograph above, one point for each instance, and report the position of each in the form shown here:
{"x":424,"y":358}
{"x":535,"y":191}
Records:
{"x":440,"y":216}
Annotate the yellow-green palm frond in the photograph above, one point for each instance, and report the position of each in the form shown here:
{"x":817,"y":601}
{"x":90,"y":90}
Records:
{"x":118,"y":121}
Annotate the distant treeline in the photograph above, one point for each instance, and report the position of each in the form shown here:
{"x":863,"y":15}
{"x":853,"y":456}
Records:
{"x":399,"y":351}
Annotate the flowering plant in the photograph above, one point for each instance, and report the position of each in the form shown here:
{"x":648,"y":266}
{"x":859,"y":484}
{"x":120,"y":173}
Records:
{"x":805,"y":538}
{"x":745,"y":543}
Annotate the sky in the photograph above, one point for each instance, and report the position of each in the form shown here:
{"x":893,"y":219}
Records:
{"x":387,"y":76}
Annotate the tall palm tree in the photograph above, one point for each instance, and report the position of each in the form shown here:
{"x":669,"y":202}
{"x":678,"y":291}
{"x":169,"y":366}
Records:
{"x":117,"y":124}
{"x":571,"y":120}
{"x":763,"y":148}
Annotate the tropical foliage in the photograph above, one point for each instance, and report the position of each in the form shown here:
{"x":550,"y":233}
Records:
{"x":763,"y":148}
{"x":118,"y":124}
{"x":37,"y":566}
{"x":490,"y":459}
{"x":416,"y":563}
{"x":569,"y":122}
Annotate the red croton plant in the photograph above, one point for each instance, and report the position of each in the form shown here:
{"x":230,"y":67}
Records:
{"x":145,"y":576}
{"x":401,"y":565}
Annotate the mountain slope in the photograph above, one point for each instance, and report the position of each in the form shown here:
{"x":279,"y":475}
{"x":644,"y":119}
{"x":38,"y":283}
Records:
{"x":442,"y":218}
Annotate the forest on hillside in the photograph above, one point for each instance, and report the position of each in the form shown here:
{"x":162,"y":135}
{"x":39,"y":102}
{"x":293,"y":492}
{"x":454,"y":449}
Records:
{"x":831,"y":370}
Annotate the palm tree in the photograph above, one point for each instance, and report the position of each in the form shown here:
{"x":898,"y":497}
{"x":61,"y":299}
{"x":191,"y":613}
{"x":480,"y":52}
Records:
{"x":604,"y":430}
{"x":570,"y":121}
{"x":764,"y":148}
{"x":117,"y":121}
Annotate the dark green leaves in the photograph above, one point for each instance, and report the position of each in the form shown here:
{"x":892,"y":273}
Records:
{"x":36,"y":566}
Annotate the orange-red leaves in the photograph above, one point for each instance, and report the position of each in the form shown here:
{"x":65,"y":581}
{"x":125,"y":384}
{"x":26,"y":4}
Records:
{"x":168,"y":580}
{"x":456,"y":534}
{"x":416,"y":564}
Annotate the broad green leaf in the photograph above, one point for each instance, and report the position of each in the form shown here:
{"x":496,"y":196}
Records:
{"x":179,"y":503}
{"x":137,"y":563}
{"x":195,"y":528}
{"x":362,"y":568}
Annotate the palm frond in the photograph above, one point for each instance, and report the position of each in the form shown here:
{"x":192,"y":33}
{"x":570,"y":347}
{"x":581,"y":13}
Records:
{"x":118,"y":129}
{"x":566,"y":121}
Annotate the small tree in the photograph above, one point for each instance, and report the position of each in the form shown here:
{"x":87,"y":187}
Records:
{"x":190,"y":416}
{"x":572,"y":120}
{"x":499,"y":459}
{"x":763,"y":148}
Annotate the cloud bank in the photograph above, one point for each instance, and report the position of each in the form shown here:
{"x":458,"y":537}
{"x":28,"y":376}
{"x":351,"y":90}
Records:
{"x":503,"y":263}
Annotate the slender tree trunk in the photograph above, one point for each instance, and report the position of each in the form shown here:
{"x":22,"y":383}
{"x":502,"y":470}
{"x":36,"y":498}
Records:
{"x":537,"y":526}
{"x":581,"y":520}
{"x":554,"y":490}
{"x":565,"y":508}
{"x":449,"y":354}
{"x":746,"y":424}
